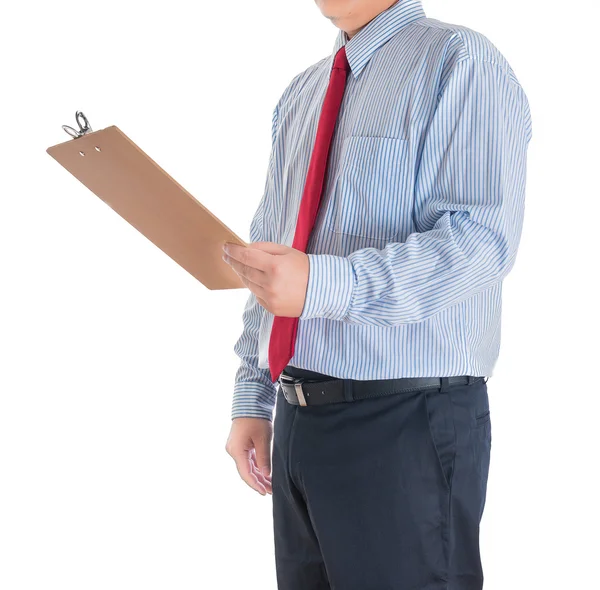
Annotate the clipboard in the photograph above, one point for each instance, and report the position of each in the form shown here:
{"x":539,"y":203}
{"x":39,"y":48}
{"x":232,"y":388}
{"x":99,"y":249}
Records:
{"x":116,"y":170}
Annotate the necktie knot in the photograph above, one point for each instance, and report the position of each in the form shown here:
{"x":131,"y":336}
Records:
{"x":341,"y":61}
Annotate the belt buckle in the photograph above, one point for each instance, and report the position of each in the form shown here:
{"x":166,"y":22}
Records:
{"x":297,"y":383}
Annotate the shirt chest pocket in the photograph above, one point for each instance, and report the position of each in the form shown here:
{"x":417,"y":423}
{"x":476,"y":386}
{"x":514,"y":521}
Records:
{"x":370,"y":196}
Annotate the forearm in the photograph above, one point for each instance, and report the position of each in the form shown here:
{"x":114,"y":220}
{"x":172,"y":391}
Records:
{"x":410,"y":281}
{"x":253,"y":392}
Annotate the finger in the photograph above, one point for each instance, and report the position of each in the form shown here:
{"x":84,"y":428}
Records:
{"x":271,"y":247}
{"x":243,"y":463}
{"x":245,"y":281}
{"x":252,"y":257}
{"x":264,"y":472}
{"x":256,"y":289}
{"x":252,"y":274}
{"x":262,"y":449}
{"x":266,"y":481}
{"x":263,"y":480}
{"x":252,"y":479}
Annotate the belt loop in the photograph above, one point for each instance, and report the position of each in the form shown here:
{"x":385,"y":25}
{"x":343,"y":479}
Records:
{"x":470,"y":379}
{"x":347,"y":385}
{"x":444,"y":384}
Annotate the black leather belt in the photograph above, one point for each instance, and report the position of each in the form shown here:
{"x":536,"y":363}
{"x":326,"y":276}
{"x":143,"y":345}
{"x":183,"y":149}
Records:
{"x":314,"y":392}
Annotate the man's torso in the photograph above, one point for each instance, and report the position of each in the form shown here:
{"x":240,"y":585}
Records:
{"x":369,"y":200}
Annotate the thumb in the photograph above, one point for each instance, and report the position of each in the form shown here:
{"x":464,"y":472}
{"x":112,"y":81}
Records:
{"x":271,"y":247}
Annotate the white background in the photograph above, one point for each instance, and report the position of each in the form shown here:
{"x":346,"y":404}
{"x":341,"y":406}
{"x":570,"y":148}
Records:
{"x":117,"y":367}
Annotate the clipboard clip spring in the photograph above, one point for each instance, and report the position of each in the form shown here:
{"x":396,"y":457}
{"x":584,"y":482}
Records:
{"x":84,"y":126}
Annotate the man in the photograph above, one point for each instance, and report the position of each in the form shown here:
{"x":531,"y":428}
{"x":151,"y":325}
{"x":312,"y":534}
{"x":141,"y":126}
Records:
{"x":392,"y":212}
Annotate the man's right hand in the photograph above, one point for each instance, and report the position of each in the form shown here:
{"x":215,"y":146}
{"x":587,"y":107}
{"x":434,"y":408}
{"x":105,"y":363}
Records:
{"x":249,"y":444}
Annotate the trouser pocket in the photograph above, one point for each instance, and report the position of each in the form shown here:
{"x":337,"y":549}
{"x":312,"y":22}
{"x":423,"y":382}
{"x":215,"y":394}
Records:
{"x":442,"y":432}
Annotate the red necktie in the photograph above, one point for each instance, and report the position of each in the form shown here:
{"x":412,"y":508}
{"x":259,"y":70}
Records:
{"x":283,"y":333}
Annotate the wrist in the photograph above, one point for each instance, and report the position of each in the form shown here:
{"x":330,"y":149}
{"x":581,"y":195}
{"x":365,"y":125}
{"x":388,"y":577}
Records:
{"x":330,"y":287}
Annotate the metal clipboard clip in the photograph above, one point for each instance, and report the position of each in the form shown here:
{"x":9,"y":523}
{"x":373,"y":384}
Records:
{"x":84,"y":126}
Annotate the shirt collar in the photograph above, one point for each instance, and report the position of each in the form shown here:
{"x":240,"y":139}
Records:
{"x":361,"y":47}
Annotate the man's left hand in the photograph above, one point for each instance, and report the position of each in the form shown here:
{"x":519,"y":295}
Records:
{"x":276,"y":274}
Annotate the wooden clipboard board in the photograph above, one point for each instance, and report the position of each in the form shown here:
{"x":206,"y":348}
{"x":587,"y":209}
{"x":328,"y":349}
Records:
{"x":115,"y":169}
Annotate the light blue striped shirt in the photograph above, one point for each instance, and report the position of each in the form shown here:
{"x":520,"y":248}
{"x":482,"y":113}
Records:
{"x":421,"y":213}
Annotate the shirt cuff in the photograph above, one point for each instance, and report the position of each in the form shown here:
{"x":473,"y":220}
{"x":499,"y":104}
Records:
{"x":330,"y":287}
{"x":253,"y":400}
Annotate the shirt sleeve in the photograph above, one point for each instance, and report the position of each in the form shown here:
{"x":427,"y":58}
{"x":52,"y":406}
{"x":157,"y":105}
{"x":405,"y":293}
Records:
{"x":469,"y":196}
{"x":254,"y":392}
